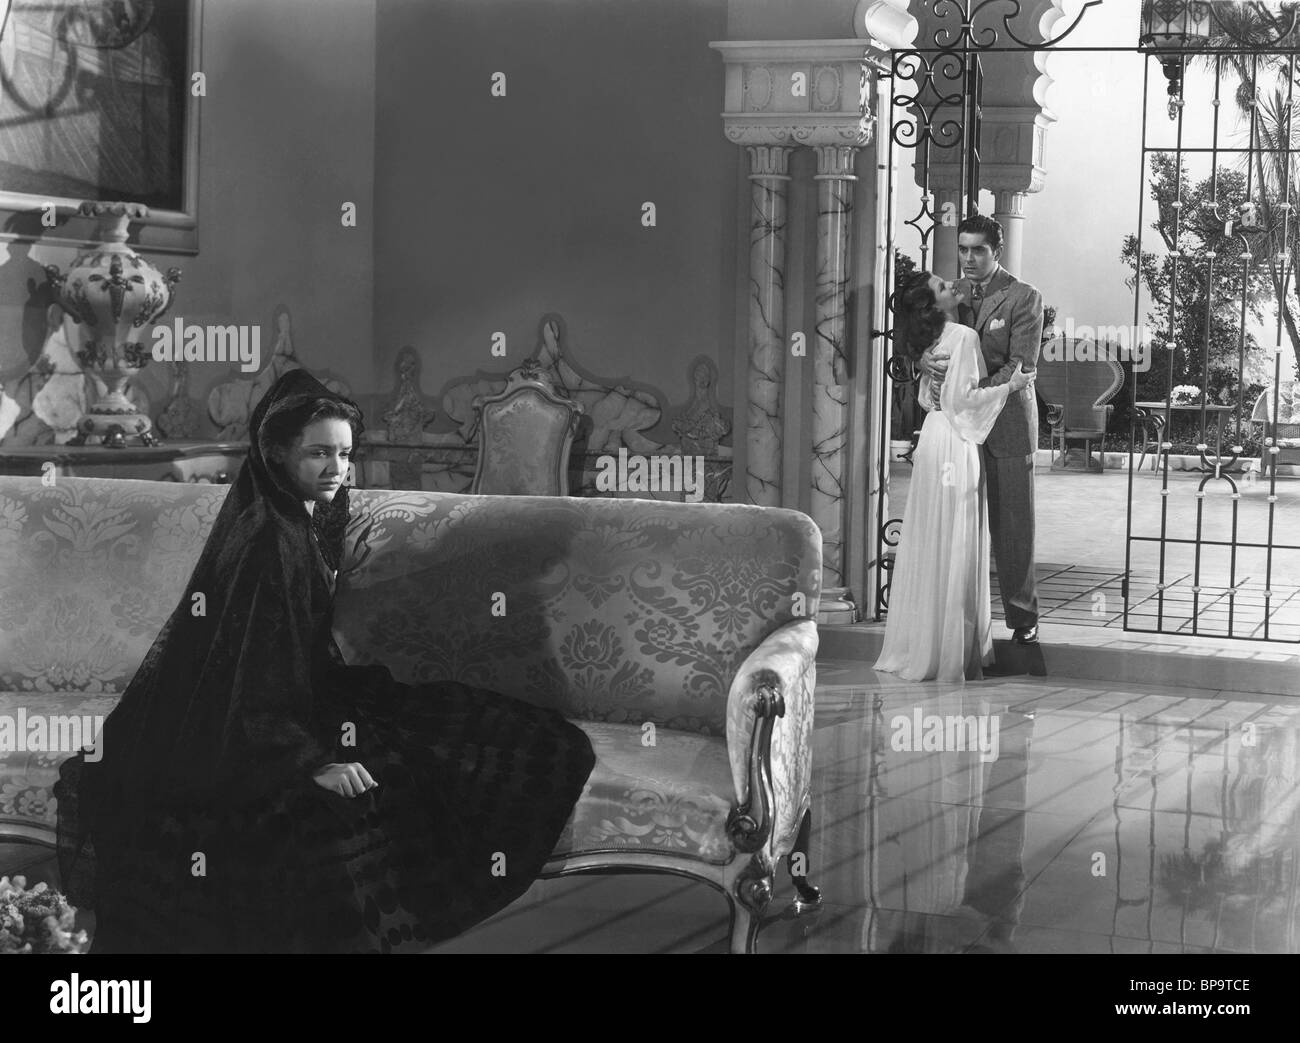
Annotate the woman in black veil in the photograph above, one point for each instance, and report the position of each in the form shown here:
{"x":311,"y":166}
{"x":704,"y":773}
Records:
{"x":254,"y":793}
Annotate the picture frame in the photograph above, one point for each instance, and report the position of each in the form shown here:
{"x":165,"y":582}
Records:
{"x":78,"y":34}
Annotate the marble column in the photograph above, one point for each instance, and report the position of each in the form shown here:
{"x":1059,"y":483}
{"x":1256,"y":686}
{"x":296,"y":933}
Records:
{"x":830,"y":371}
{"x":767,"y":344}
{"x":1010,"y":213}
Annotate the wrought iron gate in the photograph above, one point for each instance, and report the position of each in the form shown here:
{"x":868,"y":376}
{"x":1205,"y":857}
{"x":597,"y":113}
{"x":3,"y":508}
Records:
{"x":936,"y":90}
{"x":1182,"y":574}
{"x":1229,"y":229}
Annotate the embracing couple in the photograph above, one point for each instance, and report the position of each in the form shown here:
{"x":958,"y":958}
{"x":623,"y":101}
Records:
{"x":976,"y":342}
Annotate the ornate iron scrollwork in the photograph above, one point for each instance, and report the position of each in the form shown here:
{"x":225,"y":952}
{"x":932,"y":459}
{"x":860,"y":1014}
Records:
{"x":936,"y":107}
{"x":984,"y":37}
{"x":914,"y":67}
{"x":901,"y":369}
{"x":890,"y":534}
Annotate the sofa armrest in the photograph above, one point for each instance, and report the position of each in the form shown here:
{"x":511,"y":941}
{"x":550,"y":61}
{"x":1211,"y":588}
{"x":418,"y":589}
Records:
{"x":769,"y":738}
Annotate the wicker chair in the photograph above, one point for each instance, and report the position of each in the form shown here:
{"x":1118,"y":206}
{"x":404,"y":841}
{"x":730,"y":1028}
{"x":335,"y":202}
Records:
{"x":525,"y":432}
{"x":1076,"y":393}
{"x":1282,"y":429}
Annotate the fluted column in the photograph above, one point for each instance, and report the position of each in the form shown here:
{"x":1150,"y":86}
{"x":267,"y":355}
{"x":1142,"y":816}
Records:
{"x":830,"y":370}
{"x":767,"y":348}
{"x":1010,"y":213}
{"x":779,"y":95}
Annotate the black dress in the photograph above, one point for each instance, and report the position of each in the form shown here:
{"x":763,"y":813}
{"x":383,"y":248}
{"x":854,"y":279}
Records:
{"x":202,"y":830}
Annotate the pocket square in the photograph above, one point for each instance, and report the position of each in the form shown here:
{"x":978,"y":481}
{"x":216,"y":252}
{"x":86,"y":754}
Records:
{"x":997,"y":324}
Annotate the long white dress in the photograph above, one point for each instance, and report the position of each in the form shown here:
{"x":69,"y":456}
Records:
{"x":939,"y":624}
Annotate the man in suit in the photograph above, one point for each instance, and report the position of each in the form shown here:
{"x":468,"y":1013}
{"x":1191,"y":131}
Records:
{"x":1008,"y":315}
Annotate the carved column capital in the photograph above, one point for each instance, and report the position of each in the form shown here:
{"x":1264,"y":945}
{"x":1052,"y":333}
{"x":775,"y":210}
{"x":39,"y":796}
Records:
{"x":835,"y":162}
{"x":769,"y":161}
{"x":855,"y":132}
{"x":1010,"y":213}
{"x":1010,"y":201}
{"x":800,"y":92}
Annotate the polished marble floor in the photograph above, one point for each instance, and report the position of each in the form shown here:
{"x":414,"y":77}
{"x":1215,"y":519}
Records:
{"x":1111,"y":820}
{"x":1128,"y":821}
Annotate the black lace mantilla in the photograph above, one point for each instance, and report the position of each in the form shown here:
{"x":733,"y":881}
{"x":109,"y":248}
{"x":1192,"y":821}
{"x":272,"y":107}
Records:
{"x":201,"y":828}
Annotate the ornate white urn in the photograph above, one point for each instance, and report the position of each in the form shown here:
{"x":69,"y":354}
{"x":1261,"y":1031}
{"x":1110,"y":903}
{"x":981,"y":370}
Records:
{"x":113,"y":294}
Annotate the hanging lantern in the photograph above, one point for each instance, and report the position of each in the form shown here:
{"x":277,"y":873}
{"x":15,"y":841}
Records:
{"x":1170,"y":28}
{"x":1174,"y":24}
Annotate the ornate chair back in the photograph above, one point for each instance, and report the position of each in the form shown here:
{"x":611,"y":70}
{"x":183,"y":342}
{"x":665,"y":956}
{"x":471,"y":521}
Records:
{"x":1281,"y":424}
{"x":525,"y":432}
{"x":1077,"y":389}
{"x":1288,"y":404}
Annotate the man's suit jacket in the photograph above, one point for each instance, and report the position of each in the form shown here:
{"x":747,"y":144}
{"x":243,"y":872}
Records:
{"x":1011,"y":330}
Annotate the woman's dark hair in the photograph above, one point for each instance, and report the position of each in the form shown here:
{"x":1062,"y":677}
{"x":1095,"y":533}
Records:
{"x":917,"y":318}
{"x":279,"y":432}
{"x":283,"y":428}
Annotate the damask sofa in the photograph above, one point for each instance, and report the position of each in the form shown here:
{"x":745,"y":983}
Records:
{"x":680,"y":637}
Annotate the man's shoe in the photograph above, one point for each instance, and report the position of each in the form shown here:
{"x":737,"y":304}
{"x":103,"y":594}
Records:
{"x":1026,"y":635}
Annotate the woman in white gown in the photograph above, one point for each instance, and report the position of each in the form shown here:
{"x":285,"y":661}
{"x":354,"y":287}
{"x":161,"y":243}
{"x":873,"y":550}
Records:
{"x":938,"y":625}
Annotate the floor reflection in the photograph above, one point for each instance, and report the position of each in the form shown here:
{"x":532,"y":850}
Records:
{"x":1109,"y":820}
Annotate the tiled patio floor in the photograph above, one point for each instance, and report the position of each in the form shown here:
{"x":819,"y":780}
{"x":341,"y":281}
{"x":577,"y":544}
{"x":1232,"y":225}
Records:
{"x":1085,"y":595}
{"x":1082,"y":520}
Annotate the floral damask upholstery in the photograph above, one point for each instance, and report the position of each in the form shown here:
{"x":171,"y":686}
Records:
{"x":661,"y":791}
{"x":607,"y":609}
{"x":89,"y":571}
{"x":27,"y":777}
{"x":651,"y":624}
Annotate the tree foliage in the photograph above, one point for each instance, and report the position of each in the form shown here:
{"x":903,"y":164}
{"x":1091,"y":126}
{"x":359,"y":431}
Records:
{"x":1202,"y":294}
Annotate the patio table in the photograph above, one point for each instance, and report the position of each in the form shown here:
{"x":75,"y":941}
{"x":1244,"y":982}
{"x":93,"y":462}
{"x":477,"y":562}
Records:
{"x":1157,"y":414}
